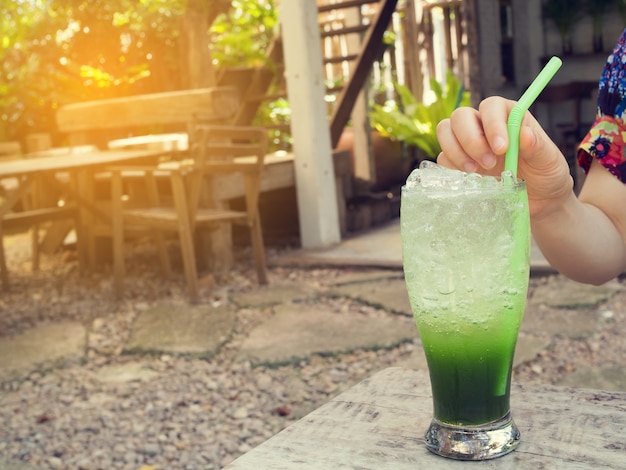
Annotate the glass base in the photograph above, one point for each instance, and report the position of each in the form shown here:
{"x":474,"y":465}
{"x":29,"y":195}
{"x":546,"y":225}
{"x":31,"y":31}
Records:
{"x":483,"y":442}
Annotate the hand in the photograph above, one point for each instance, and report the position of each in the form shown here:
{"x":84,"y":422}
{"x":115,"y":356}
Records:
{"x":476,"y":141}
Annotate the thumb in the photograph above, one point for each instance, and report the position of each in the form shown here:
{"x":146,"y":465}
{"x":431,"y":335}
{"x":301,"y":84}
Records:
{"x":542,"y":166}
{"x":537,"y":151}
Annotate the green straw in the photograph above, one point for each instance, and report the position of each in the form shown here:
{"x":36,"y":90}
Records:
{"x":517,"y":113}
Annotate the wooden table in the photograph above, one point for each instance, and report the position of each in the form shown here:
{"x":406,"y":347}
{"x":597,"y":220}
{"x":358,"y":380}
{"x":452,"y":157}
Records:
{"x":379,"y":424}
{"x":173,"y":141}
{"x":84,"y":161}
{"x":68,"y":160}
{"x":81,"y":165}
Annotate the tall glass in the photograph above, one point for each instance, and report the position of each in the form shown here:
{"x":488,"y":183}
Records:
{"x":465,"y":249}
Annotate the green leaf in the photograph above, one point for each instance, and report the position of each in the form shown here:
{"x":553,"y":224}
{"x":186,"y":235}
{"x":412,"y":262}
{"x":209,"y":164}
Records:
{"x":415,"y":123}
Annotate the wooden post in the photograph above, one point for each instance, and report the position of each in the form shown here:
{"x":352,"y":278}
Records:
{"x":485,"y":69}
{"x":460,"y":50}
{"x":315,"y":179}
{"x":447,"y":26}
{"x":364,"y":166}
{"x":413,"y":48}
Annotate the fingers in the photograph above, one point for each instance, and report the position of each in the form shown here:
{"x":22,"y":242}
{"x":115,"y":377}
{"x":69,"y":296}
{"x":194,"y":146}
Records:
{"x":476,"y":140}
{"x":535,"y":147}
{"x":470,"y":132}
{"x":541,"y":160}
{"x":472,"y":140}
{"x":494,"y":115}
{"x":454,"y":155}
{"x":444,"y":161}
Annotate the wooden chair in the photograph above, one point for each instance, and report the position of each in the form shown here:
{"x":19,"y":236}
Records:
{"x":215,"y":151}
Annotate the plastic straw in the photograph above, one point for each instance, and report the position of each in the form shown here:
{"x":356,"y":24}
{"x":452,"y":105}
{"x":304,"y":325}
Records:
{"x":517,"y":113}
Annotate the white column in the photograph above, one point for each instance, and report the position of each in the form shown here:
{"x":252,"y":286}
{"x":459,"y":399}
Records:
{"x":315,"y":175}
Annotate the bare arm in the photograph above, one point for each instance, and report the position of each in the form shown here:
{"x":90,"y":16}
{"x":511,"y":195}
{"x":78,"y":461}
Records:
{"x":585,"y":238}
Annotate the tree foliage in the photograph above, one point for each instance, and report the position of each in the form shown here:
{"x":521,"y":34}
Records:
{"x":55,"y":52}
{"x":242,"y":35}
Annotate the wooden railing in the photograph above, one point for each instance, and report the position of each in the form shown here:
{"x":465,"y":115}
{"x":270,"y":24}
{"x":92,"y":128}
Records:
{"x":349,"y":51}
{"x":363,"y":63}
{"x":352,"y":32}
{"x":445,"y":18}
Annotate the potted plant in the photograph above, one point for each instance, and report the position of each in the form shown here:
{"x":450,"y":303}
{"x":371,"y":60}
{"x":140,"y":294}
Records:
{"x":564,"y":14}
{"x":415,"y":123}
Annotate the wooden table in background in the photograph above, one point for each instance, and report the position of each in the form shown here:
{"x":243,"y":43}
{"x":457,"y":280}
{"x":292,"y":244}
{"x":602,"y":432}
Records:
{"x":379,"y":424}
{"x":82,"y":165}
{"x":172,"y":142}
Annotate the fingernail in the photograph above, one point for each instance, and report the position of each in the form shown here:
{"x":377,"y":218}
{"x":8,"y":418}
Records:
{"x":499,"y":143}
{"x":469,"y":167}
{"x":489,"y":161}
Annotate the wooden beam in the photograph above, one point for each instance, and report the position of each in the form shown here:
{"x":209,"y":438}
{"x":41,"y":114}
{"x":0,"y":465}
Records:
{"x":343,"y":5}
{"x":343,"y":31}
{"x":363,"y":155}
{"x":371,"y":47}
{"x":414,"y":77}
{"x":470,"y":15}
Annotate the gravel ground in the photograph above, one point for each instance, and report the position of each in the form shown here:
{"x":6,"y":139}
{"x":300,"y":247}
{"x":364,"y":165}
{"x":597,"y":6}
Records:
{"x":188,"y":413}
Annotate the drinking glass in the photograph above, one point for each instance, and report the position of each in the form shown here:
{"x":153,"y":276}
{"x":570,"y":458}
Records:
{"x":465,"y":250}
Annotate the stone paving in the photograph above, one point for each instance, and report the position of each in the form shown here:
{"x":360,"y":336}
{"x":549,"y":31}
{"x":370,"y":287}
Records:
{"x":294,"y":324}
{"x":43,"y":346}
{"x":302,"y":326}
{"x":181,"y":329}
{"x":297,"y":341}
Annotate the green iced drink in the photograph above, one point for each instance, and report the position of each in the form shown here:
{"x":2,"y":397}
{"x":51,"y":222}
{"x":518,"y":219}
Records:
{"x":465,"y":247}
{"x":470,"y":369}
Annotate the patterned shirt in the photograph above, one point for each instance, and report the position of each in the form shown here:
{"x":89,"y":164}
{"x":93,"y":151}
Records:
{"x":606,"y":140}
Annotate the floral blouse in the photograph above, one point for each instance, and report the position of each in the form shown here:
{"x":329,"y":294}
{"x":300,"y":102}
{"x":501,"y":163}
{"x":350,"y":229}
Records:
{"x":606,"y":140}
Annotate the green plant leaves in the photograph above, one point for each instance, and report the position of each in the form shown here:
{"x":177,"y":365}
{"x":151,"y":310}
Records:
{"x":415,"y":123}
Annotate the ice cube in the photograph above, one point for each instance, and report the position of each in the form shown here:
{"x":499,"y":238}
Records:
{"x":473,"y":180}
{"x":489,"y":182}
{"x":429,"y":175}
{"x":429,"y":164}
{"x":413,"y":179}
{"x":477,"y":181}
{"x":507,"y":178}
{"x":436,"y":176}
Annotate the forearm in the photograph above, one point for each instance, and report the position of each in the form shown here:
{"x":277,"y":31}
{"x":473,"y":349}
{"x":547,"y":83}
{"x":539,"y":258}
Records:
{"x":580,"y":241}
